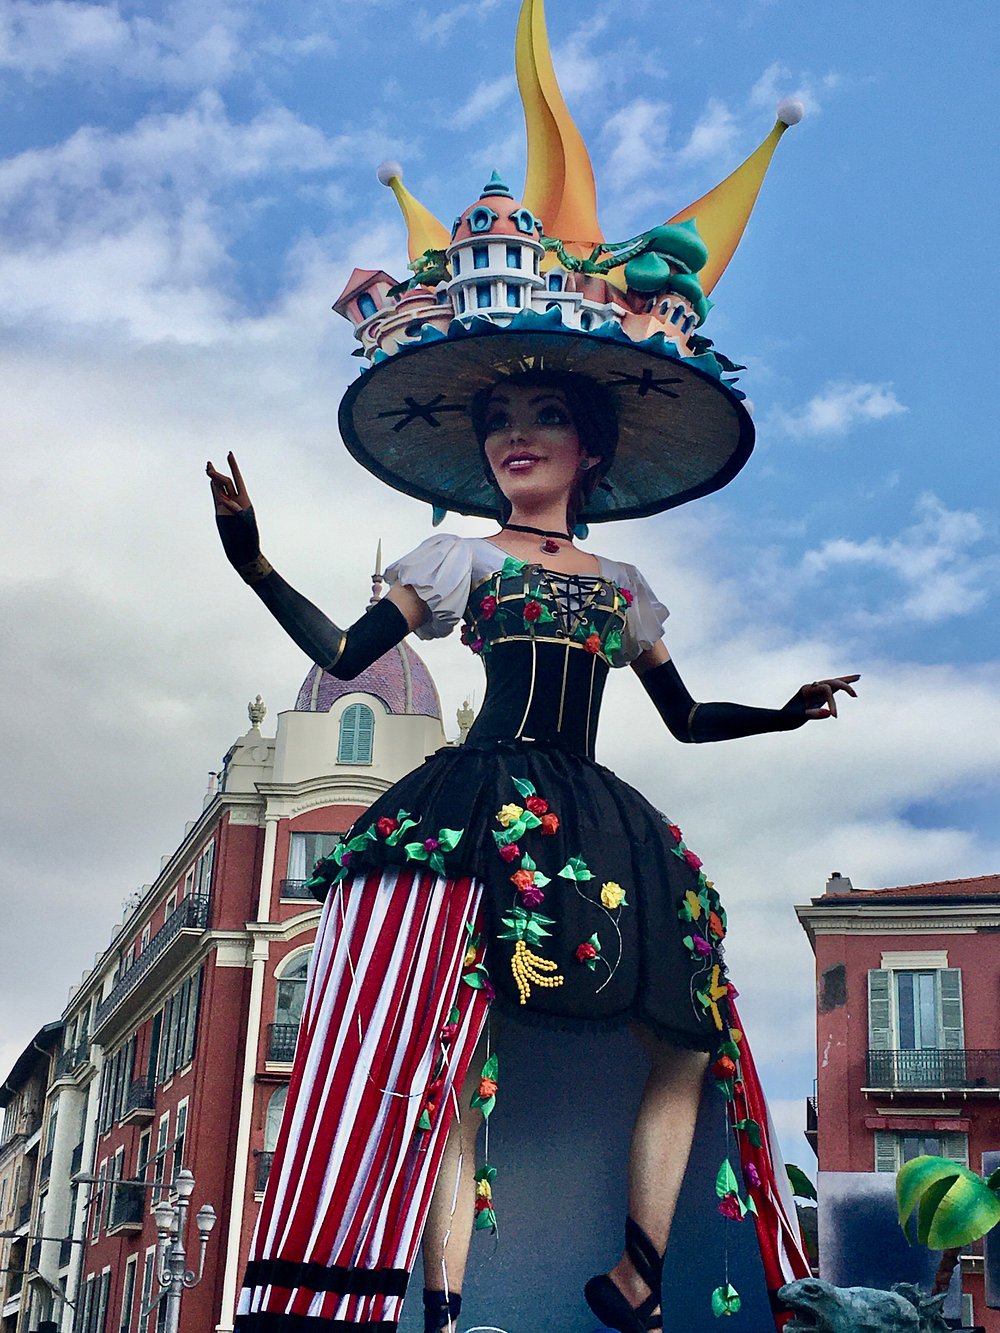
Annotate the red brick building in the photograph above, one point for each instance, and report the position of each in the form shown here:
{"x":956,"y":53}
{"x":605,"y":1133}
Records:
{"x":178,"y":1043}
{"x":908,"y":1046}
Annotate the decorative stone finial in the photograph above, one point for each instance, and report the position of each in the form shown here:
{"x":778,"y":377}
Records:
{"x":257,"y":711}
{"x":377,"y":579}
{"x":466,"y":716}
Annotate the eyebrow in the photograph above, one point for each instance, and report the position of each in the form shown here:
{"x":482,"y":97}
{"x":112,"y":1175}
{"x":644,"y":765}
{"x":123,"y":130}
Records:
{"x":555,"y":395}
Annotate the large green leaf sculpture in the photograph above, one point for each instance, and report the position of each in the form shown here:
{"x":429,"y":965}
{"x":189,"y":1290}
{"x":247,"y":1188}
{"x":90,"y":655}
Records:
{"x":954,"y":1206}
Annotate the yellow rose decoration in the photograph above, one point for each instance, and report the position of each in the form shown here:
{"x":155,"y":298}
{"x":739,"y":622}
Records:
{"x":483,"y":1190}
{"x":612,"y":895}
{"x":509,"y":814}
{"x":470,"y":956}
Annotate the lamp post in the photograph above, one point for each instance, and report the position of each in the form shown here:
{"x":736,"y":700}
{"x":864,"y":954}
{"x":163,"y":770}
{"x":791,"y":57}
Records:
{"x":172,"y":1271}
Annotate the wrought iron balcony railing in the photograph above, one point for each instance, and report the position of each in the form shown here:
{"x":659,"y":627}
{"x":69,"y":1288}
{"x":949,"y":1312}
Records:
{"x":190,"y":914}
{"x":295,"y":888}
{"x":962,"y":1070}
{"x":281,"y":1042}
{"x":264,"y":1160}
{"x":128,"y":1206}
{"x":73,"y":1058}
{"x":140,"y":1100}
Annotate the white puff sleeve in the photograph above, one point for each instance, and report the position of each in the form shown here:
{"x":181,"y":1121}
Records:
{"x":646,"y":616}
{"x":439,"y":571}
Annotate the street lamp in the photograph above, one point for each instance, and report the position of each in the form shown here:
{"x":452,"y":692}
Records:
{"x":172,"y":1271}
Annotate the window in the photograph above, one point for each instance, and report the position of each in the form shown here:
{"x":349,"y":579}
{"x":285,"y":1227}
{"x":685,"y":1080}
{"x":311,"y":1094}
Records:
{"x":483,"y":295}
{"x":456,"y":259}
{"x":305,"y":849}
{"x":203,"y":870}
{"x":480,"y":256}
{"x":513,"y":256}
{"x":159,"y":1161}
{"x":677,"y":314}
{"x":128,"y":1294}
{"x":895,"y":1147}
{"x":142,"y":1156}
{"x":555,"y":282}
{"x":481,"y":218}
{"x":916,"y":1032}
{"x":366,"y":306}
{"x":177,"y":1032}
{"x":116,"y":1171}
{"x":97,"y":1204}
{"x":524,"y":220}
{"x":291,"y":990}
{"x":88,"y":1304}
{"x":147,"y":1287}
{"x":180,"y":1129}
{"x":171,"y":904}
{"x":586,"y":319}
{"x":272,"y":1122}
{"x":357,"y":735}
{"x":514,"y":295}
{"x":100,"y":1323}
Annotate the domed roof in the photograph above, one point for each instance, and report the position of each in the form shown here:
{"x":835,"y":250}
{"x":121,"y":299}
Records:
{"x":400,"y":680}
{"x":496,"y":213}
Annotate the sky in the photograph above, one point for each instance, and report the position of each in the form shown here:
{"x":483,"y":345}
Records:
{"x":184,"y":190}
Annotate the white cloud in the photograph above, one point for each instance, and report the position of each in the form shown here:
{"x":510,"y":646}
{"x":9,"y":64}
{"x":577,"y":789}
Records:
{"x":778,"y":82}
{"x":935,"y":566}
{"x":439,"y":27}
{"x":837,"y":408}
{"x":488,"y":98}
{"x":637,"y":142}
{"x":714,"y":135}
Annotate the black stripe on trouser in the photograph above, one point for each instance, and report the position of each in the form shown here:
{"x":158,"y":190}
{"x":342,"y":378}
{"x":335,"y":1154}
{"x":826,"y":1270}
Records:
{"x":322,"y":1277}
{"x":307,"y":1323}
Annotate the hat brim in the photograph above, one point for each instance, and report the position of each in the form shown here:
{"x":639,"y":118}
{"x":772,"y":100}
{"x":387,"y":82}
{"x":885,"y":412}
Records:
{"x":683,"y":432}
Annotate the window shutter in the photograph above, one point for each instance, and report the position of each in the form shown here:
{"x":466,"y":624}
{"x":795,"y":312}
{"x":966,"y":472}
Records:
{"x":366,"y":732}
{"x":956,"y":1146}
{"x":952,"y":1027}
{"x":886,"y":1150}
{"x":357,"y":730}
{"x":879,"y":1010}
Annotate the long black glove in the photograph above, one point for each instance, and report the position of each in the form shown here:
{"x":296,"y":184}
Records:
{"x":344,"y":653}
{"x":694,"y":723}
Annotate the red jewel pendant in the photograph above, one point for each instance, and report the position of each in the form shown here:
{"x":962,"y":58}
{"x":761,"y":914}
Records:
{"x":550,"y":547}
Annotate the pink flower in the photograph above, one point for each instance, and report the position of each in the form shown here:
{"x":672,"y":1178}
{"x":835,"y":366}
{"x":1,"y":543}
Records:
{"x":627,"y":596}
{"x":532,"y":611}
{"x":693,"y":860}
{"x":488,"y":607}
{"x":701,"y":946}
{"x":489,"y":990}
{"x":751,"y":1175}
{"x":510,"y":852}
{"x":729,"y":1207}
{"x":476,"y":645}
{"x":675,"y":833}
{"x":346,"y":858}
{"x":532,"y":896}
{"x":537,"y":805}
{"x":431,"y":845}
{"x":584,"y":952}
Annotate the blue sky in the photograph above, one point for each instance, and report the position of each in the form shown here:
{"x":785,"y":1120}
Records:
{"x":183,"y":193}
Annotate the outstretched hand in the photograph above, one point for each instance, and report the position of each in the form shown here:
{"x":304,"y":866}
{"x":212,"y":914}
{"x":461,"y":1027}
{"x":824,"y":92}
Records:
{"x":819,"y":699}
{"x":229,"y":493}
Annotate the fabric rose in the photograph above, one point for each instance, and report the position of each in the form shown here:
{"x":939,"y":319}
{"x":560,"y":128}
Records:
{"x":523,"y":879}
{"x":484,"y":1189}
{"x":488,"y":607}
{"x":510,"y":852}
{"x":489,"y":990}
{"x":532,"y":611}
{"x":537,"y":805}
{"x":701,"y":946}
{"x":693,"y":860}
{"x":431,"y":845}
{"x":476,"y":645}
{"x":584,"y":952}
{"x":752,"y":1176}
{"x":470,"y":956}
{"x":724,"y":1067}
{"x":627,"y":596}
{"x":483,"y":1205}
{"x":550,"y":823}
{"x":450,"y":1030}
{"x":509,"y":814}
{"x":715,"y":925}
{"x":675,"y":833}
{"x":487,"y":1088}
{"x":730,"y":1207}
{"x":386,"y":825}
{"x":612,"y":894}
{"x":532,"y":896}
{"x":592,"y":643}
{"x":345,"y":858}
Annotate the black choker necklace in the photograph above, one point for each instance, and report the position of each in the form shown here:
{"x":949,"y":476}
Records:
{"x":548,"y":546}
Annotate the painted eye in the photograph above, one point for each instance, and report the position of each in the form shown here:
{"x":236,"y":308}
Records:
{"x":552,"y":416}
{"x":496,"y":421}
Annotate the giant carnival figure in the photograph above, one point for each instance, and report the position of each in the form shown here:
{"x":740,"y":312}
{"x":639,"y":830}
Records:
{"x":533,"y":374}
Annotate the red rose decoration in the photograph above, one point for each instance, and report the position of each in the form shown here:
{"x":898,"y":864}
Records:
{"x":523,"y":879}
{"x":724,"y":1067}
{"x":550,"y":823}
{"x":487,"y":1087}
{"x":693,"y":860}
{"x":488,"y":607}
{"x":431,"y":845}
{"x":448,"y":1032}
{"x":592,"y":643}
{"x":730,"y":1207}
{"x":715,"y":925}
{"x":537,"y":805}
{"x":532,"y":611}
{"x":627,"y":596}
{"x":532,"y":896}
{"x":386,"y":825}
{"x":738,"y":1087}
{"x":483,"y":1205}
{"x":675,"y":833}
{"x":510,"y":852}
{"x":584,"y":952}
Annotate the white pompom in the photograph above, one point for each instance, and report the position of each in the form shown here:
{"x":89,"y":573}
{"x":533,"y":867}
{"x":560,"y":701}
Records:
{"x":389,"y":170}
{"x":790,"y":111}
{"x":748,"y":403}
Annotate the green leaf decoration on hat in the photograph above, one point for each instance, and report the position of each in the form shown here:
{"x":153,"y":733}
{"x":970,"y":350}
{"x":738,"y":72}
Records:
{"x":725,"y":1300}
{"x":801,"y":1185}
{"x":954,"y":1205}
{"x":524,"y":787}
{"x":576,"y":869}
{"x":752,"y":1131}
{"x":725,"y":1180}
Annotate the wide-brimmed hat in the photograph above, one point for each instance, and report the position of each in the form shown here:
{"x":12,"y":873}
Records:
{"x":682,"y":430}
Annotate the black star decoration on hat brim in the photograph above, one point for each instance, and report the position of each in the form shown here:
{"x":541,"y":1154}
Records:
{"x":647,"y":382}
{"x":426,"y":412}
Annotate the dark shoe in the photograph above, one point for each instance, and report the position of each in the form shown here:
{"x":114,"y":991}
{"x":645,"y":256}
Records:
{"x":608,"y":1303}
{"x":438,"y":1308}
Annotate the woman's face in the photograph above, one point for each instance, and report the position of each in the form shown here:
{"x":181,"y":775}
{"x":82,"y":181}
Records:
{"x":531,"y":444}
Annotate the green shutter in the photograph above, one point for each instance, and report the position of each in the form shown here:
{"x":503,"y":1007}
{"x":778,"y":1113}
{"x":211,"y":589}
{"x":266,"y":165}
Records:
{"x":357,"y":731}
{"x":886,"y":1150}
{"x":956,"y":1146}
{"x":879,"y":1010}
{"x":952,"y":1027}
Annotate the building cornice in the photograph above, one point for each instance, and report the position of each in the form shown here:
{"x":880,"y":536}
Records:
{"x":288,"y":799}
{"x":915,"y":918}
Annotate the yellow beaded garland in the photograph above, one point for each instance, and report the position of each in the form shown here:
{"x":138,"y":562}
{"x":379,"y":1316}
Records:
{"x":529,"y":969}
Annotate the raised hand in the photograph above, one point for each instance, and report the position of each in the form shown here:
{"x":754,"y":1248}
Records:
{"x":819,"y":699}
{"x":229,"y":493}
{"x":234,"y":517}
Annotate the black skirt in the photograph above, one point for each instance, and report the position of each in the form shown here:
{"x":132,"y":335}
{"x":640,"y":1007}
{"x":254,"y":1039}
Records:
{"x":595,"y":911}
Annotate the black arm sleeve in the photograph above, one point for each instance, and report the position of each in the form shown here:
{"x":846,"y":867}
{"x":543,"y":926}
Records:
{"x":695,"y":723}
{"x":344,"y":653}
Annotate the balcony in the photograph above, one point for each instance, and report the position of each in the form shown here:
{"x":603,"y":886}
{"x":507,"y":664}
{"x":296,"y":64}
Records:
{"x":263,"y":1171}
{"x":140,"y":1102}
{"x":296,"y":888}
{"x":812,"y":1123}
{"x":128,"y":1207}
{"x":73,"y":1059}
{"x":933,"y":1071}
{"x":173,"y":944}
{"x":281,"y":1040}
